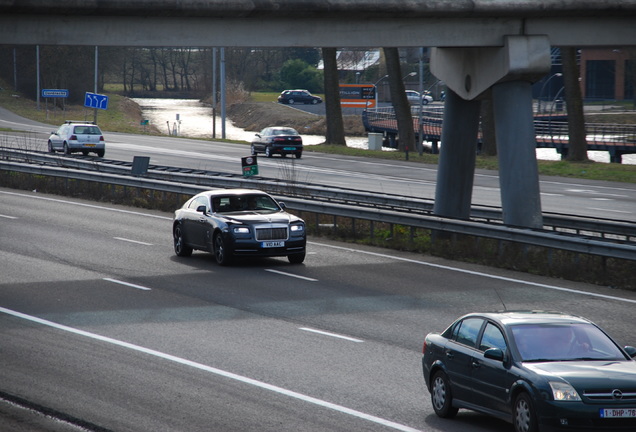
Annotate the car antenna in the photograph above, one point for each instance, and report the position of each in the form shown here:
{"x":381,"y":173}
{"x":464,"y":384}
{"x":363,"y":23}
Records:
{"x":501,"y":300}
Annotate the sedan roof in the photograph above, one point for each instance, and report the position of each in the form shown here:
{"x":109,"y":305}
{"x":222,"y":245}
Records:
{"x":235,"y":192}
{"x":530,"y":317}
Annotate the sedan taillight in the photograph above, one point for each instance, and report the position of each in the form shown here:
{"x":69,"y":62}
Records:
{"x":424,"y":347}
{"x":73,"y":137}
{"x":101,"y":138}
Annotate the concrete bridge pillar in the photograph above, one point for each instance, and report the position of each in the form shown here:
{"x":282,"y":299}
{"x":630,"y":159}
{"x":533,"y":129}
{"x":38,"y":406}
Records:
{"x":517,"y":152}
{"x":456,"y":169}
{"x":509,"y":71}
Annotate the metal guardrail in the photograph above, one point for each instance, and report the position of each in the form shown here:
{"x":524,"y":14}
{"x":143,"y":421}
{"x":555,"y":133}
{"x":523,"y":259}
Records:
{"x":571,"y":224}
{"x":549,"y":239}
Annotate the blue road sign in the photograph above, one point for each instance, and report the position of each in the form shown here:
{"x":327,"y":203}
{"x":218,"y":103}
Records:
{"x":55,"y":93}
{"x":94,"y":100}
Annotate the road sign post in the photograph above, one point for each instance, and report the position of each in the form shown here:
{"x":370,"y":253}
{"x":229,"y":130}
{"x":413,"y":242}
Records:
{"x":250,"y":166}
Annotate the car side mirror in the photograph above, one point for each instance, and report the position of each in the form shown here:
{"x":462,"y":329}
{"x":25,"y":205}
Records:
{"x":494,"y":354}
{"x":282,"y":205}
{"x":631,"y":351}
{"x":258,"y":135}
{"x":202,"y":209}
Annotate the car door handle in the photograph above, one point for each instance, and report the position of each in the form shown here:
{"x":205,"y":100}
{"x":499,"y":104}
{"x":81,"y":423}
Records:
{"x":475,"y":364}
{"x":450,"y":355}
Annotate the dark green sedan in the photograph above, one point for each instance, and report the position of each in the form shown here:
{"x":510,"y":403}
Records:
{"x":538,"y":370}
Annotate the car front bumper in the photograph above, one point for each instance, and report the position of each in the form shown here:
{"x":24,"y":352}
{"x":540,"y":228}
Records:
{"x":580,"y":417}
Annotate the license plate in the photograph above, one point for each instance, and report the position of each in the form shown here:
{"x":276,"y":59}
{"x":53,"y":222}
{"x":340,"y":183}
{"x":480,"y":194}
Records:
{"x":289,"y":148}
{"x":273,"y":244}
{"x":618,"y":412}
{"x":89,"y":145}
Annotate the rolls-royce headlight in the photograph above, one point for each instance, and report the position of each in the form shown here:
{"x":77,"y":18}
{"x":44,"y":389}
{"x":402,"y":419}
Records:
{"x":297,"y":228}
{"x":241,"y":230}
{"x":562,"y":391}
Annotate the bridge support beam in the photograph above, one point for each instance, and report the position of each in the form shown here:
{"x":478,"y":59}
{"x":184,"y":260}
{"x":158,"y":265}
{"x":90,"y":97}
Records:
{"x":517,"y":152}
{"x":509,"y":70}
{"x":456,"y":168}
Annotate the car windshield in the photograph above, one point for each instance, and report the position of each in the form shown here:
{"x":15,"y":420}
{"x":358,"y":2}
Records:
{"x":287,"y":131}
{"x":564,"y":342}
{"x":245,"y":204}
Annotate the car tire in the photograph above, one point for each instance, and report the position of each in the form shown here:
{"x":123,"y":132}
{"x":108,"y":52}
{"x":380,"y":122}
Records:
{"x":100,"y":153}
{"x":253,"y":149}
{"x":296,"y":258}
{"x":299,"y":155}
{"x":268,"y":152}
{"x":425,"y":101}
{"x":180,"y":247}
{"x":67,"y":151}
{"x":523,"y":416}
{"x":314,"y":101}
{"x":441,"y":396}
{"x":51,"y":149}
{"x":291,"y":101}
{"x":221,"y":254}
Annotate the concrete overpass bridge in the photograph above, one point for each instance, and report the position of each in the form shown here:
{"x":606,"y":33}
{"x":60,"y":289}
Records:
{"x":503,"y":45}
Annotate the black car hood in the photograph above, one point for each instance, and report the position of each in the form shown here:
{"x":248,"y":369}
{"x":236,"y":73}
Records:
{"x":251,"y":218}
{"x":590,"y":374}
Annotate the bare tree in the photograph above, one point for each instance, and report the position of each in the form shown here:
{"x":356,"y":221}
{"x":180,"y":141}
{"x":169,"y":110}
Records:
{"x":577,"y":148}
{"x":335,"y":125}
{"x":406,"y":132}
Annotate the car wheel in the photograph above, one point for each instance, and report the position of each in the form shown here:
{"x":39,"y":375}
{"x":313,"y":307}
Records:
{"x":425,"y":101}
{"x":268,"y":152}
{"x":67,"y":150}
{"x":291,"y":101}
{"x":253,"y":149}
{"x":51,"y":149}
{"x":85,"y":152}
{"x":442,"y":397}
{"x":314,"y":101}
{"x":220,"y":250}
{"x":180,"y":247}
{"x":299,"y":155}
{"x":523,"y":414}
{"x":100,"y":153}
{"x":296,"y":258}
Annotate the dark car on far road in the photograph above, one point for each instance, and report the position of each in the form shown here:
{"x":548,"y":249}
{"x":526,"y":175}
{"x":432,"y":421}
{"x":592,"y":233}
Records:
{"x":238,"y":222}
{"x":538,"y":370}
{"x":278,"y":140}
{"x":298,"y":96}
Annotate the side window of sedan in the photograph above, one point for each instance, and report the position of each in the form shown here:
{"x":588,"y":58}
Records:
{"x":468,"y":331}
{"x":199,"y":202}
{"x":492,"y":338}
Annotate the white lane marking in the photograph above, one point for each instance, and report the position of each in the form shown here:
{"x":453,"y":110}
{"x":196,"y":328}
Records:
{"x":132,"y":241}
{"x":601,"y":199}
{"x":609,"y":210}
{"x":291,"y":275}
{"x":219,"y":372}
{"x":7,"y":217}
{"x":127,"y":284}
{"x":476,"y":273}
{"x":330,"y":334}
{"x":86,"y":205}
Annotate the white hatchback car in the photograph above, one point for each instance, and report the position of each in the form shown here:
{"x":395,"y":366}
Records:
{"x":78,"y":136}
{"x":414,"y":97}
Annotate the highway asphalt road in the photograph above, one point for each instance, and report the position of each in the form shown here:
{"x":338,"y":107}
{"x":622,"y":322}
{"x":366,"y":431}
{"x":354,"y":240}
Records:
{"x":615,"y":201}
{"x":100,"y":321}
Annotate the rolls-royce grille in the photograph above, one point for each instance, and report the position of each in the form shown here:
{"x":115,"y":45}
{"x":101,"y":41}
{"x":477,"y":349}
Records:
{"x":263,"y":234}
